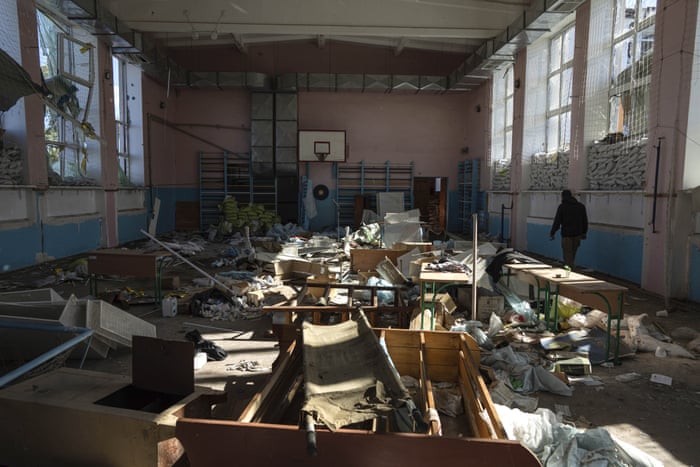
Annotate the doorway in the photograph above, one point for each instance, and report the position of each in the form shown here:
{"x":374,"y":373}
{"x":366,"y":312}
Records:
{"x":430,"y":196}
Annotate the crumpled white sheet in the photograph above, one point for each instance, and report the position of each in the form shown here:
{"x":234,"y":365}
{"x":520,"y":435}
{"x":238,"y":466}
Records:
{"x":559,"y":445}
{"x":515,"y":367}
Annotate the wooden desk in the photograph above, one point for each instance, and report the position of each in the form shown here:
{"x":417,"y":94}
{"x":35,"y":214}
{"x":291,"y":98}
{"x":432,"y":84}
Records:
{"x":600,"y":295}
{"x":520,"y":271}
{"x":586,"y":290}
{"x":548,"y":281}
{"x":435,"y":282}
{"x":134,"y":263}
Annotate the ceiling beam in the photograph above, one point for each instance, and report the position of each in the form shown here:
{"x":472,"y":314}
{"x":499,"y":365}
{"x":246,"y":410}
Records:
{"x":326,"y":30}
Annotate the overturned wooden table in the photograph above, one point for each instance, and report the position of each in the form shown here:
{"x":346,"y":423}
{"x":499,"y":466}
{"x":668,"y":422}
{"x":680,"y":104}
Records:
{"x":122,"y":262}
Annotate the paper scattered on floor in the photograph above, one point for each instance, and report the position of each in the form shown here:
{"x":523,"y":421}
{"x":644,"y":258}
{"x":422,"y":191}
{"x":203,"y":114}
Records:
{"x":661,"y":379}
{"x":246,"y":365}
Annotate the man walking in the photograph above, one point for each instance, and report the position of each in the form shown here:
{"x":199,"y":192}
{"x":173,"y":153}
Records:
{"x":572,"y":218}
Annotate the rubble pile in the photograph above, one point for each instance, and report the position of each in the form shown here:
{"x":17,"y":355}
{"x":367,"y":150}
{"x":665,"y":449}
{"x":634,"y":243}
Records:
{"x":256,"y":267}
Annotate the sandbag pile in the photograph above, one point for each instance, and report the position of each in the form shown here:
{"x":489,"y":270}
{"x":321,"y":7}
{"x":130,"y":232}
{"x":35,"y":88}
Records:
{"x":11,"y":166}
{"x":254,"y":216}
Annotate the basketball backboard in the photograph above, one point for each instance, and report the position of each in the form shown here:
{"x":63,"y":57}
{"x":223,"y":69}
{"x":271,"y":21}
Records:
{"x":321,"y":146}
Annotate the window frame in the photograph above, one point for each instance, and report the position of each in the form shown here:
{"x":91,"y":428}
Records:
{"x":122,"y":117}
{"x":68,"y":143}
{"x":556,"y":69}
{"x":637,"y":85}
{"x":504,"y":106}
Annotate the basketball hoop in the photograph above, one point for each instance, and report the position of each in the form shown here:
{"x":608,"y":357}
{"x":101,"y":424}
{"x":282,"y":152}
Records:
{"x":322,"y":149}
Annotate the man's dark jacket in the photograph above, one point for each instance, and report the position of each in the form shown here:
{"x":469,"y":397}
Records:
{"x":571,"y":217}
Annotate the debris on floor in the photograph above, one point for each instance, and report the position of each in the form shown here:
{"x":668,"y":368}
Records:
{"x":248,"y":269}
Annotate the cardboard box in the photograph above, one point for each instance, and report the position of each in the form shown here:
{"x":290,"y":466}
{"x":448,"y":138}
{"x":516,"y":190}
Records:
{"x":444,"y":307}
{"x":445,"y":302}
{"x":425,"y":319}
{"x":295,"y":268}
{"x":415,"y":267}
{"x":320,"y":280}
{"x":365,"y":275}
{"x":421,"y":246}
{"x":367,"y":259}
{"x":390,"y":272}
{"x":487,"y":304}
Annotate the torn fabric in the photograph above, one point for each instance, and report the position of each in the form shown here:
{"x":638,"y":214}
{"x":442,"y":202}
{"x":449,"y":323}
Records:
{"x":350,"y":379}
{"x":15,"y":82}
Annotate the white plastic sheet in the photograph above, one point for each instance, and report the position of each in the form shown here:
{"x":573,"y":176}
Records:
{"x":559,"y":445}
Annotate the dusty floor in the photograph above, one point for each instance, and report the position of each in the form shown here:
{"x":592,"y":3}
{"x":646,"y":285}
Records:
{"x":660,"y":420}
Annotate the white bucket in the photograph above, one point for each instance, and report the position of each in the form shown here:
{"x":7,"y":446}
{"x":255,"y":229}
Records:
{"x":169,"y":306}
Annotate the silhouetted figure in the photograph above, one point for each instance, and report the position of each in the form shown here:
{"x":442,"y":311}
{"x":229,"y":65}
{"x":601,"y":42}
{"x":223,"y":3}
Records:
{"x":572,"y":218}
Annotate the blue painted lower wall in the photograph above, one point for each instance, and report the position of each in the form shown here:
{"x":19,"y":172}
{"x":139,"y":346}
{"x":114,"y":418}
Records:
{"x":18,"y":247}
{"x":168,"y":196}
{"x":130,"y":226}
{"x":73,"y":238}
{"x":618,"y":254}
{"x":495,"y":230}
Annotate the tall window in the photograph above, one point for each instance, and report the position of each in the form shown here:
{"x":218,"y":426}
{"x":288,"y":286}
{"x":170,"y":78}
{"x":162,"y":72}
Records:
{"x":67,"y":65}
{"x":121,"y":114}
{"x":559,"y":78}
{"x":632,"y":53}
{"x":502,"y":120}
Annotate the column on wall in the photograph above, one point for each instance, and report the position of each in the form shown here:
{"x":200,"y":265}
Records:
{"x":108,"y":154}
{"x":35,"y":158}
{"x":518,"y":176}
{"x":577,"y":154}
{"x":665,"y":261}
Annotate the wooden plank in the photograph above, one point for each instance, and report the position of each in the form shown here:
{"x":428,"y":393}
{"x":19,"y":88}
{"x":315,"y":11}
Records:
{"x":471,"y":408}
{"x":427,"y":386}
{"x":211,"y":443}
{"x":402,"y":338}
{"x":443,"y":340}
{"x":285,"y":401}
{"x":496,"y":423}
{"x":257,"y":400}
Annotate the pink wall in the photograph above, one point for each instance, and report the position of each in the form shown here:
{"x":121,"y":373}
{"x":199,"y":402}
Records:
{"x":429,"y":130}
{"x":216,"y":116}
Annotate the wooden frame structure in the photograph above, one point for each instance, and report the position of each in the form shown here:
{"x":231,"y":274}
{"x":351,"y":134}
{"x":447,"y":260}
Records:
{"x":267,"y":432}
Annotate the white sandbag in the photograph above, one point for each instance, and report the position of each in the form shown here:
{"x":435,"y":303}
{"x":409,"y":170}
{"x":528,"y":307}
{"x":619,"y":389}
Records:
{"x":694,"y":345}
{"x":646,"y":343}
